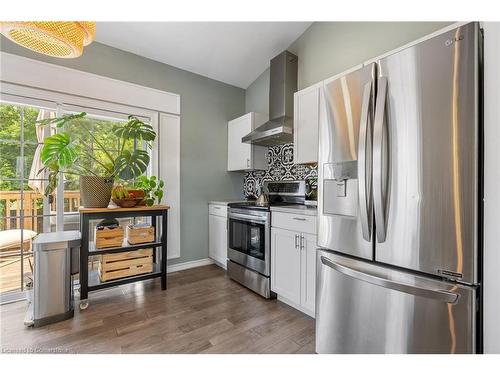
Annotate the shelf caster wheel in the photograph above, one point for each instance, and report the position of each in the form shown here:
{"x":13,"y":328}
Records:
{"x":84,"y":305}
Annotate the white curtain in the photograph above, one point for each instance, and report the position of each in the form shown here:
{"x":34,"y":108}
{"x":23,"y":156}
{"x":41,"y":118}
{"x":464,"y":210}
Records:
{"x":35,"y":181}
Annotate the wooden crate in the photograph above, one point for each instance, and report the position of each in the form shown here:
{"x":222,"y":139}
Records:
{"x":137,"y":235}
{"x":131,"y":263}
{"x":109,"y":237}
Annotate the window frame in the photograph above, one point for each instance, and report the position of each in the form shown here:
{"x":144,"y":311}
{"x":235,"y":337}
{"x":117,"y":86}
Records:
{"x":60,"y":85}
{"x":117,"y":112}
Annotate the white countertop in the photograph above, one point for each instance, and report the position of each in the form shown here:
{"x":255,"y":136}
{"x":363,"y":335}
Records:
{"x":296,"y":209}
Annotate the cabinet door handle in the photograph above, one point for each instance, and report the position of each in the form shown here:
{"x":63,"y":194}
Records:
{"x":301,"y":241}
{"x":299,"y":218}
{"x":296,"y":241}
{"x":248,"y":163}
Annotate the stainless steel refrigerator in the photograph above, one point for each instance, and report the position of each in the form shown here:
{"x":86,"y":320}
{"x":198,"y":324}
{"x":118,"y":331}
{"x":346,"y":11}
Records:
{"x":399,"y":203}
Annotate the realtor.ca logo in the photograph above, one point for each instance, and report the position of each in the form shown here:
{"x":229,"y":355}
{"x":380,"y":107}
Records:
{"x":449,"y":42}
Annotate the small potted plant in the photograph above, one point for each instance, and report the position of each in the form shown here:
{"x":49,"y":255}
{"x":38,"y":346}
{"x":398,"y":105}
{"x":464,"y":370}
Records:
{"x":63,"y":153}
{"x":152,"y":188}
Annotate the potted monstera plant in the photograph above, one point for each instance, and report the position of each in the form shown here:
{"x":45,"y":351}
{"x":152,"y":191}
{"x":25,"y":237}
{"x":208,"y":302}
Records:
{"x":63,"y":153}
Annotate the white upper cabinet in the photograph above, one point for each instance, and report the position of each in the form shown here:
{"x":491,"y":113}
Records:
{"x":307,"y":103}
{"x":243,"y":156}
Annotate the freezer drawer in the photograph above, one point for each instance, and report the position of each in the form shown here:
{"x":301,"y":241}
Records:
{"x":366,"y":308}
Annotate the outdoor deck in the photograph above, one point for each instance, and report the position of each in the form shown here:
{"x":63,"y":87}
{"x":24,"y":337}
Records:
{"x":27,"y":213}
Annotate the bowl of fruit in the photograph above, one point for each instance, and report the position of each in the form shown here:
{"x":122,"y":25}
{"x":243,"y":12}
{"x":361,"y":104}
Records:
{"x":126,"y":198}
{"x":139,"y":194}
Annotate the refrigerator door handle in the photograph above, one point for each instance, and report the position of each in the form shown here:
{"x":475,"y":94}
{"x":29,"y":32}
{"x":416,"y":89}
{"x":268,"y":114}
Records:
{"x":440,"y":295}
{"x":378,"y":160}
{"x":364,"y":183}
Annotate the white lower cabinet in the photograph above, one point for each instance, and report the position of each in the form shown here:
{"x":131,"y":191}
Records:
{"x":308,"y":273}
{"x":293,"y":268}
{"x":285,"y":263}
{"x":217,"y":233}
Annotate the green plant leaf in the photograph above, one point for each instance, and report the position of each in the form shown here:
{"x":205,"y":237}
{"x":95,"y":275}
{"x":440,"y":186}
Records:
{"x":58,"y":150}
{"x":53,"y":179}
{"x":135,"y":129}
{"x":130,"y":165}
{"x":160,"y":196}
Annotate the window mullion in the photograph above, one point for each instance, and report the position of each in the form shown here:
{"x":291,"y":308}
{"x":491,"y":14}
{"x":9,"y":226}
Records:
{"x":21,"y":211}
{"x":60,"y":188}
{"x":46,"y":201}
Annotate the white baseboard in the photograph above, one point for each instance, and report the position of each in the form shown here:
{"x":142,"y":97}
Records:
{"x":295,"y":306}
{"x":192,"y":264}
{"x":221,"y":265}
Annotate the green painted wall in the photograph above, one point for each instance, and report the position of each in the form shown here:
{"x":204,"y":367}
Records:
{"x":257,"y":94}
{"x":329,"y":48}
{"x":206,"y":106}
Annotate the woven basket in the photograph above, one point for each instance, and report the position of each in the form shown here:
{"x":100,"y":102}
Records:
{"x":95,"y":191}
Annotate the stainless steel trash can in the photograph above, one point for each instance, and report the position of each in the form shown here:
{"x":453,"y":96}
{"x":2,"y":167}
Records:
{"x":56,"y":259}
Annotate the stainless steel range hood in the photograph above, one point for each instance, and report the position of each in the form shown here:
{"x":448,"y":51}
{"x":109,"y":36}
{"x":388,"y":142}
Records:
{"x":283,"y":84}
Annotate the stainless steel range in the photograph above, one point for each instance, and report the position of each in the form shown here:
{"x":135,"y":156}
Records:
{"x":249,"y":232}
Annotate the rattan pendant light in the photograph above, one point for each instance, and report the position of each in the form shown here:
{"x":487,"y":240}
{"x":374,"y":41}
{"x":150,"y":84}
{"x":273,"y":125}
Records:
{"x":53,"y":38}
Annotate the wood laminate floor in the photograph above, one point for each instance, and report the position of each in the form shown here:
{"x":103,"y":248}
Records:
{"x":202,"y":311}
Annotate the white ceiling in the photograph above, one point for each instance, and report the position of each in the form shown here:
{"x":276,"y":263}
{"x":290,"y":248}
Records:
{"x":231,"y":52}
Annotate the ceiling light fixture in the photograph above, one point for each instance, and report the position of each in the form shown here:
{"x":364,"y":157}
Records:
{"x":53,"y":38}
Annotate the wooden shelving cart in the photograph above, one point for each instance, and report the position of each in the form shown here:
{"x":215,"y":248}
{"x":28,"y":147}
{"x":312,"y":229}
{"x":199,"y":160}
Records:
{"x":89,"y":280}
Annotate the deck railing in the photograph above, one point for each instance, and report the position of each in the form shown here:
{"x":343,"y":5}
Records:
{"x":30,"y":204}
{"x":27,"y":206}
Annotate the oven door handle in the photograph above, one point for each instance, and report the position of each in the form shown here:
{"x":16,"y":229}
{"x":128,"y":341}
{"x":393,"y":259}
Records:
{"x":252,"y":218}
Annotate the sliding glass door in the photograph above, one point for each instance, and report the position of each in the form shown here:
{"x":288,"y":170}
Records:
{"x":24,"y":209}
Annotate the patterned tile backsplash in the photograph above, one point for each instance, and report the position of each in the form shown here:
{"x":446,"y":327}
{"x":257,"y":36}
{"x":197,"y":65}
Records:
{"x":280,"y":167}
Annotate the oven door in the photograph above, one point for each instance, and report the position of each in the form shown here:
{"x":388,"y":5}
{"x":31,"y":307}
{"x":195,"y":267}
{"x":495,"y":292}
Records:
{"x":248,"y":239}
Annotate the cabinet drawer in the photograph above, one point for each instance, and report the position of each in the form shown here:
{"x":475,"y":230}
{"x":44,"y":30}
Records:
{"x":295,"y":222}
{"x":219,"y":210}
